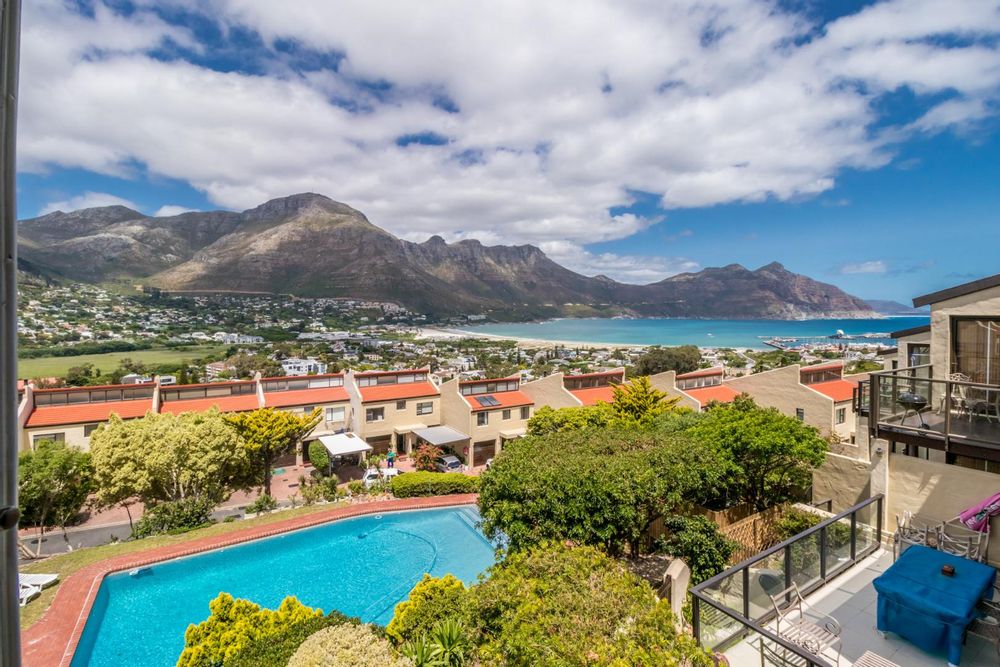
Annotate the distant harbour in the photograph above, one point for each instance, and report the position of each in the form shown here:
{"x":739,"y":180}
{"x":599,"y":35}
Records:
{"x":703,"y":333}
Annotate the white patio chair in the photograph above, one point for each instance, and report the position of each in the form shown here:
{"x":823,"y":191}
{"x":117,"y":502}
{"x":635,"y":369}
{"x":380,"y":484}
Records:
{"x":958,"y":399}
{"x":912,"y":529}
{"x":955,"y":538}
{"x":40,"y":580}
{"x":27,"y":593}
{"x":815,"y":636}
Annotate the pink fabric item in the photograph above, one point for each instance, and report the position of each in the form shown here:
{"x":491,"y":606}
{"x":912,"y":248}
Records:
{"x":978,"y":516}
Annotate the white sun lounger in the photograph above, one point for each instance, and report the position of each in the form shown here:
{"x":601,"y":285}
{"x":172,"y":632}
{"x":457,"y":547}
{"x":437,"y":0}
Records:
{"x":39,"y":580}
{"x":28,"y":593}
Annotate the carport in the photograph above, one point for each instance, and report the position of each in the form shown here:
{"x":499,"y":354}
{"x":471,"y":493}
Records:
{"x":445,"y":437}
{"x":345,"y":444}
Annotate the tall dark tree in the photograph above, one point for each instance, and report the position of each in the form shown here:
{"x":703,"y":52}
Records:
{"x":682,"y":359}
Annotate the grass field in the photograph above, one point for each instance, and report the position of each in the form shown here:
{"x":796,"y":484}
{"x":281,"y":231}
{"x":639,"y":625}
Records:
{"x":57,"y":366}
{"x":66,"y":564}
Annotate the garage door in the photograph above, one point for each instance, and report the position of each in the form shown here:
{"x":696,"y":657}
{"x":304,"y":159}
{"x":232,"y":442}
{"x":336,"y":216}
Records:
{"x":483,"y":451}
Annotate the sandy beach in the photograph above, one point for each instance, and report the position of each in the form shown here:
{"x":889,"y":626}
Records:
{"x":434,"y":333}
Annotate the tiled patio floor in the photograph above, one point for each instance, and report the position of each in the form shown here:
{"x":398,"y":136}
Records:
{"x":851,"y":599}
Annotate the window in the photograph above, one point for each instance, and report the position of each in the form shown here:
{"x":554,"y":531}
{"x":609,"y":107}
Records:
{"x":841,"y":415}
{"x":425,"y":408}
{"x":525,"y":413}
{"x":88,"y":429}
{"x":375,"y":414}
{"x":800,"y":414}
{"x":482,"y":418}
{"x":506,"y":414}
{"x":976,"y":349}
{"x":919,"y":354}
{"x":400,"y":405}
{"x":336,"y":414}
{"x":55,"y":437}
{"x":308,"y":408}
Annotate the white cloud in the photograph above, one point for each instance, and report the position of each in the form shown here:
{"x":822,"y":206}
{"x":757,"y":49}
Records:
{"x":539,"y":150}
{"x":873,"y":266}
{"x":624,"y":268}
{"x":171,"y":209}
{"x":86,"y":200}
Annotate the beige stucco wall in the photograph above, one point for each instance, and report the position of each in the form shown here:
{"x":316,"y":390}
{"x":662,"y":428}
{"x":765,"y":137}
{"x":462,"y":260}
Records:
{"x":73,"y":434}
{"x":395,"y":419}
{"x":938,"y":491}
{"x":324,"y":427}
{"x":781,"y":389}
{"x":549,"y":391}
{"x":845,"y":480}
{"x":667,"y":383}
{"x":455,"y":412}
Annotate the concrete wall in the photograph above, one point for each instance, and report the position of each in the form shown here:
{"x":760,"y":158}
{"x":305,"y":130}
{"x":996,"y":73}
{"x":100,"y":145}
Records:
{"x":73,"y":434}
{"x":455,"y":412}
{"x":398,"y":419}
{"x":667,"y":383}
{"x":781,"y":389}
{"x":938,"y":491}
{"x":550,"y":391}
{"x":845,"y":480}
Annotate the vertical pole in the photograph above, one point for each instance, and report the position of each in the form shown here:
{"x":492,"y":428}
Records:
{"x":696,"y":618}
{"x":10,"y":638}
{"x":854,"y":536}
{"x":746,"y":592}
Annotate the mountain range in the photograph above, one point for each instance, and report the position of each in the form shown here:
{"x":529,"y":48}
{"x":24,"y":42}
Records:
{"x":311,"y":246}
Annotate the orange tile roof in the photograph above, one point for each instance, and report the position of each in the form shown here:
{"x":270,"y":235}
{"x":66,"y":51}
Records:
{"x":704,"y":372}
{"x":279,"y":399}
{"x":592,"y":395}
{"x":706,"y":395}
{"x":395,"y":392}
{"x":838,"y":390}
{"x":506,"y":399}
{"x":241,"y":403}
{"x":85,"y":413}
{"x":617,"y":371}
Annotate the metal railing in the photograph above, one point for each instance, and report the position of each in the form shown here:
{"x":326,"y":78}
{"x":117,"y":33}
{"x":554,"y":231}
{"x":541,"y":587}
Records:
{"x":910,"y":405}
{"x":736,"y":603}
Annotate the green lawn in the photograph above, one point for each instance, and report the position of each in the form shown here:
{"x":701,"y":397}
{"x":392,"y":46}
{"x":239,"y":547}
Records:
{"x":68,"y":563}
{"x":57,"y":366}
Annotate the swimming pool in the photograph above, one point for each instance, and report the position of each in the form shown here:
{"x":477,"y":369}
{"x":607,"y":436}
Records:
{"x":361,"y":567}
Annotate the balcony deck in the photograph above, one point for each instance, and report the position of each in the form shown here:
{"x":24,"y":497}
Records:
{"x":851,"y":599}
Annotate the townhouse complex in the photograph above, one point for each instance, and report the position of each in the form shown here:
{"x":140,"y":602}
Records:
{"x":928,"y":426}
{"x":382,"y":411}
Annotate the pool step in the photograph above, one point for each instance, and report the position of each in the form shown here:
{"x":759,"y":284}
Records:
{"x":470,"y":518}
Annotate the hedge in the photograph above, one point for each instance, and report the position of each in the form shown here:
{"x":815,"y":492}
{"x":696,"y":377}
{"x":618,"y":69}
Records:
{"x":413,"y":484}
{"x":276,"y":651}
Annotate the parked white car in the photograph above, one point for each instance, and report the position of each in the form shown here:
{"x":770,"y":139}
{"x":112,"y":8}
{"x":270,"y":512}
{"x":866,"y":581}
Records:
{"x":372,"y":475}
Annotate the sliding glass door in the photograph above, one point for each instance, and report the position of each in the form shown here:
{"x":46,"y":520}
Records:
{"x":976,"y":349}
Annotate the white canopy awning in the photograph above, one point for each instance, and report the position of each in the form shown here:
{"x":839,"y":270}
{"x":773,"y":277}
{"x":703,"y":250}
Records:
{"x":513,"y":433}
{"x":343,"y":444}
{"x":440,"y":435}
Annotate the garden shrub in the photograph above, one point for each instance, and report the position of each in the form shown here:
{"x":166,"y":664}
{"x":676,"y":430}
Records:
{"x":805,"y":553}
{"x":318,"y":456}
{"x":425,"y":457}
{"x":697,"y":541}
{"x":356,"y":488}
{"x":263,"y":505}
{"x":433,"y":484}
{"x":562,"y":605}
{"x":275,"y":651}
{"x":347,"y":645}
{"x":174,"y":517}
{"x":234,"y":624}
{"x":432,"y":600}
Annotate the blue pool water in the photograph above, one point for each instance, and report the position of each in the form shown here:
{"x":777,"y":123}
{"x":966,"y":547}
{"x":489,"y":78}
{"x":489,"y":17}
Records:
{"x":703,"y":333}
{"x":361,"y":567}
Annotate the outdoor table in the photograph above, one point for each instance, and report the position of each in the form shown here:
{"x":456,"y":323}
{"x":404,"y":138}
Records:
{"x":929,"y":609}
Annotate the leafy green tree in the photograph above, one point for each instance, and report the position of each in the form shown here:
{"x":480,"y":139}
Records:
{"x":698,"y":542}
{"x":558,"y":605}
{"x":165,"y":458}
{"x":598,"y":487}
{"x":682,"y":359}
{"x":551,"y":420}
{"x":425,"y":456}
{"x":233,"y":624}
{"x":432,"y":600}
{"x":319,"y":457}
{"x":768,"y":456}
{"x":267,"y":434}
{"x":638,"y":403}
{"x":53,"y":483}
{"x":80,"y":376}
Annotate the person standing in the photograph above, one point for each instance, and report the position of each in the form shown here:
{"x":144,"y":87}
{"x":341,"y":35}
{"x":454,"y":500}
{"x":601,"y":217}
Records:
{"x":390,"y":458}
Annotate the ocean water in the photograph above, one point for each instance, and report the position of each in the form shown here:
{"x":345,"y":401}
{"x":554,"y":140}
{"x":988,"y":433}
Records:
{"x":704,"y":333}
{"x":361,"y":567}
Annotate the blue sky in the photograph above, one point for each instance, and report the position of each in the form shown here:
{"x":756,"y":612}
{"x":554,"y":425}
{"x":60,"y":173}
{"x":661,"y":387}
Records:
{"x":856,"y":142}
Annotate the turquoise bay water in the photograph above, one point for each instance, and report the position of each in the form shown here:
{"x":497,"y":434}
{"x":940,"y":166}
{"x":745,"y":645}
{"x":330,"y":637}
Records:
{"x":704,"y":333}
{"x":361,"y":567}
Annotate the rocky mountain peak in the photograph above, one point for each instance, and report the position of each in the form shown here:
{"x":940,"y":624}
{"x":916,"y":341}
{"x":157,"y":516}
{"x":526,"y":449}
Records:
{"x":292,"y":205}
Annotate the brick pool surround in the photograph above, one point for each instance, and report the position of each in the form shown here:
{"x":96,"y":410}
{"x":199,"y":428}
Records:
{"x":53,"y":639}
